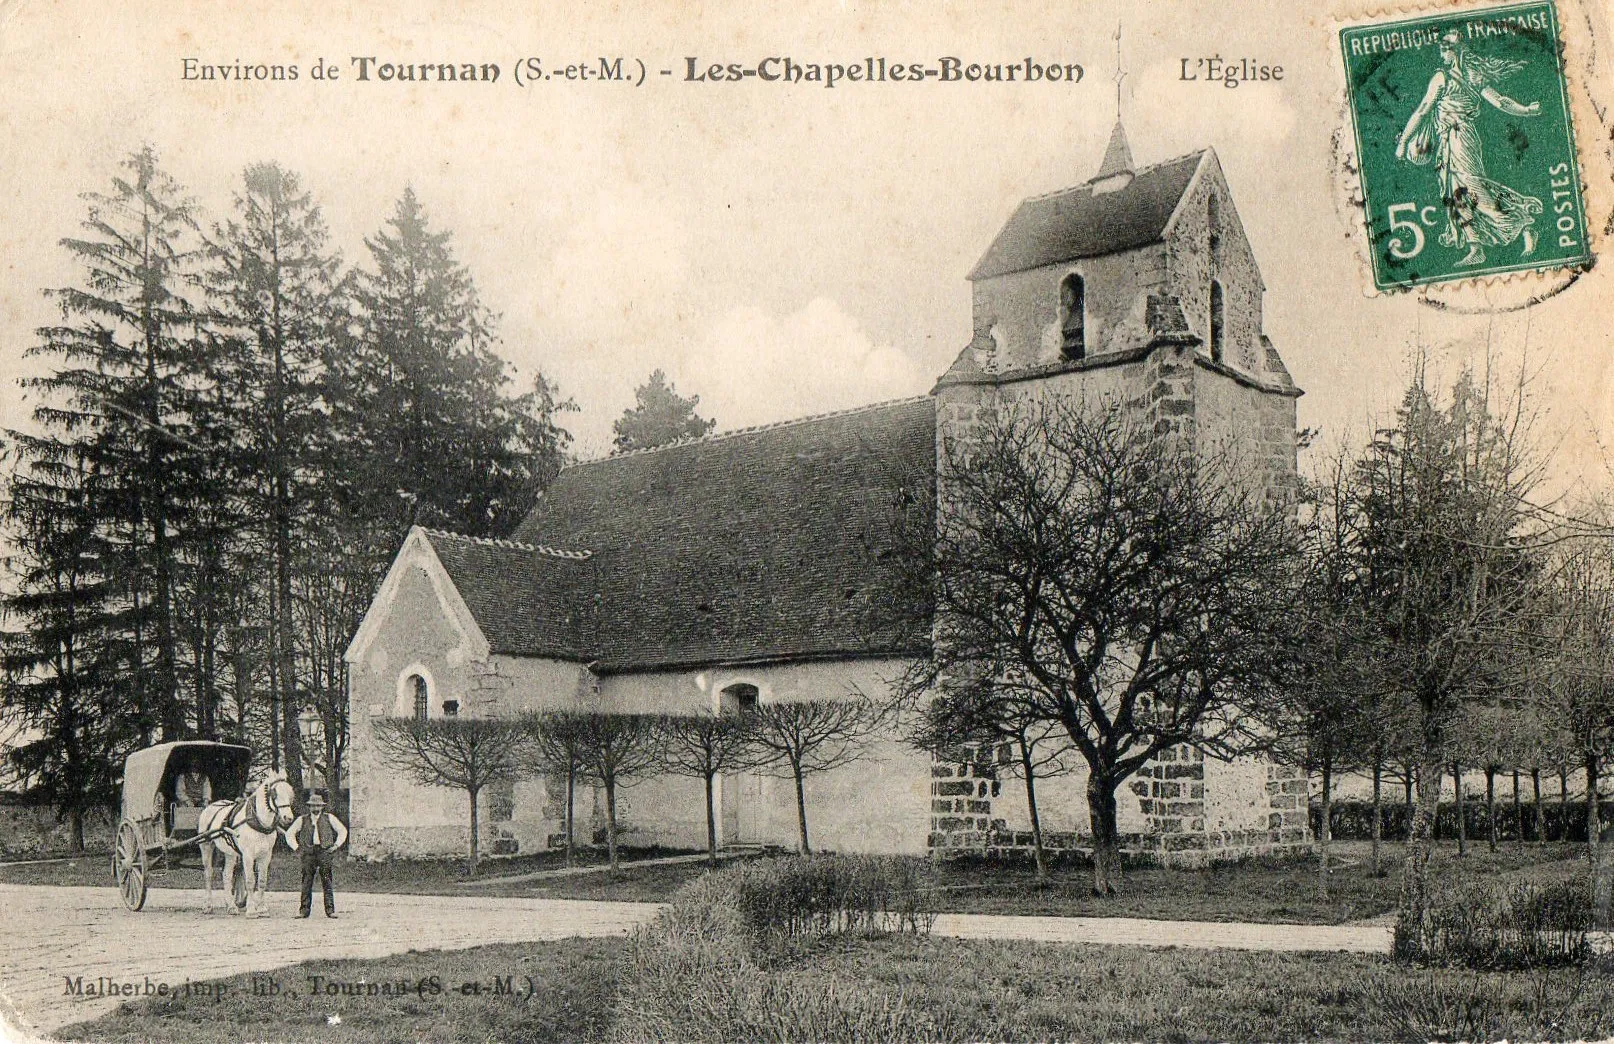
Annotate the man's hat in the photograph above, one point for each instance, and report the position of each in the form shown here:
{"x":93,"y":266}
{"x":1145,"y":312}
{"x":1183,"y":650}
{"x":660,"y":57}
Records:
{"x":316,"y":796}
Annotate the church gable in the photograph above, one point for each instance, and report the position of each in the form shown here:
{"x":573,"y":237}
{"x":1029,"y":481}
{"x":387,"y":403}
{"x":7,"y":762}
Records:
{"x":417,"y":595}
{"x":1211,"y":269}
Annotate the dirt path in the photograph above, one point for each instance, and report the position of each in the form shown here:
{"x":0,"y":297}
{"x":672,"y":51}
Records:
{"x":58,"y":936}
{"x":54,"y":935}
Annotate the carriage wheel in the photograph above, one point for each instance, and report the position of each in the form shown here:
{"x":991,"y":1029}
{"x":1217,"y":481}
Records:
{"x":129,"y":865}
{"x":238,"y":884}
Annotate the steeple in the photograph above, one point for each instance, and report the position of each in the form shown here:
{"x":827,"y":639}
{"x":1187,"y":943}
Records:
{"x":1116,"y":170}
{"x":1118,"y":157}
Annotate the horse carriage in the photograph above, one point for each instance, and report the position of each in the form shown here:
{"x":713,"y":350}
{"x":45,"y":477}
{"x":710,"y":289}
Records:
{"x":193,"y":796}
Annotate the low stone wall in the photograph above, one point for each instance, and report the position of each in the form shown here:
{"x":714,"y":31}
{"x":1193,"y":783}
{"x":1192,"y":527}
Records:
{"x":1171,"y":792}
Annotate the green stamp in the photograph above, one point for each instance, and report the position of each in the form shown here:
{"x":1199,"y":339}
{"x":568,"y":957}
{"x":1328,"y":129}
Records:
{"x":1464,"y":144}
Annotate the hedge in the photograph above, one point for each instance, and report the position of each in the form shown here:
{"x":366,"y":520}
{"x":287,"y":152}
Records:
{"x":1352,"y":820}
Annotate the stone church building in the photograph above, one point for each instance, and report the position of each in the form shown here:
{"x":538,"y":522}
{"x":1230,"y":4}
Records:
{"x":757,"y":566}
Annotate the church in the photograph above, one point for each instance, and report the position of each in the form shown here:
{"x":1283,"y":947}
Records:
{"x":756,"y":565}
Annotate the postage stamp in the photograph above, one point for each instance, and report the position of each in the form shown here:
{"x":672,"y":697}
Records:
{"x":1465,"y":145}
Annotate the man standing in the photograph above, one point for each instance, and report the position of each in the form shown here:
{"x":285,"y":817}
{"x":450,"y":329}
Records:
{"x":315,"y":837}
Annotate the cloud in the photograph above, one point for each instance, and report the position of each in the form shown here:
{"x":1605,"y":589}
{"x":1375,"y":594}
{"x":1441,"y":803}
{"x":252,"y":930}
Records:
{"x":618,"y":276}
{"x":754,"y":367}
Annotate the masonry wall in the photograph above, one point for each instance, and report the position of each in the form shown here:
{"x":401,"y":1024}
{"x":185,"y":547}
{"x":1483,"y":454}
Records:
{"x":879,"y":804}
{"x":1196,"y":252}
{"x":393,"y":816}
{"x":1182,"y":807}
{"x":1019,"y":311}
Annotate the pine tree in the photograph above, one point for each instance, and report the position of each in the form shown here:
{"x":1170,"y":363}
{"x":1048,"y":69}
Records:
{"x":63,"y":662}
{"x":120,"y":410}
{"x":425,"y":397}
{"x":274,"y":280}
{"x":659,"y":416}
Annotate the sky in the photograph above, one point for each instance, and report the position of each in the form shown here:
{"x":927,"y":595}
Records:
{"x":779,"y":250}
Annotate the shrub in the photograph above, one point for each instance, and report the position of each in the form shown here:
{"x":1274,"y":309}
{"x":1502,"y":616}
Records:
{"x":1483,"y":927}
{"x":802,"y":898}
{"x":709,"y":967}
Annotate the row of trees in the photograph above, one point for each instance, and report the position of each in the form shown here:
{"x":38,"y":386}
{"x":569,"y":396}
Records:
{"x":793,"y":741}
{"x":232,"y":431}
{"x":1103,"y":594}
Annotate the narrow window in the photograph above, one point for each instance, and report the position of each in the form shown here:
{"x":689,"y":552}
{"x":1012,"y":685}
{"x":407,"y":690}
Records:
{"x":422,"y":698}
{"x":1073,"y":317}
{"x":740,"y":699}
{"x":1216,"y":321}
{"x":1213,"y":220}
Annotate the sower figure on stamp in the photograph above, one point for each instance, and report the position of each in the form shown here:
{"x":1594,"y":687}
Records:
{"x":1480,"y":211}
{"x":315,"y":837}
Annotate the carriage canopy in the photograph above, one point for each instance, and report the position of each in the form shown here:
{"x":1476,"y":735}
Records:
{"x":149,"y":775}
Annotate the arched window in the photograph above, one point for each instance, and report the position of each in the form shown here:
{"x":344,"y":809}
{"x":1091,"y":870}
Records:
{"x":739,"y":698}
{"x":422,"y":698}
{"x":1073,"y":317}
{"x":1213,"y":220}
{"x":1217,"y":323}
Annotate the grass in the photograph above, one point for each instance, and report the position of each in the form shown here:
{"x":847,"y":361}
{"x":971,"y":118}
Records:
{"x":941,"y":989}
{"x":1258,"y":889}
{"x":1265,"y":890}
{"x":1261,"y":890}
{"x":572,"y":985}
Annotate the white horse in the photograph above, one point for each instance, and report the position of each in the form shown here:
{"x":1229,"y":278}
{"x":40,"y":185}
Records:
{"x":250,"y":827}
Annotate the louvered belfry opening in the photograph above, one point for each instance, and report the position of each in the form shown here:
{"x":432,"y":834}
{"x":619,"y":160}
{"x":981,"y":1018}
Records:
{"x":1073,"y":311}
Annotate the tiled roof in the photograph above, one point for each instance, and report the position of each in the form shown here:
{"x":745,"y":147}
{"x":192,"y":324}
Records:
{"x":767,"y":543}
{"x":528,"y":600}
{"x":1077,"y":222}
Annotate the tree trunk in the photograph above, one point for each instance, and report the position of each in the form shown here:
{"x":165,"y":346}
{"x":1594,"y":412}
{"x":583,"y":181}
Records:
{"x":1541,"y":821}
{"x":1518,"y":809}
{"x":801,"y":807}
{"x":571,"y":808}
{"x":1031,"y":808}
{"x":1594,"y":815}
{"x":1563,"y":803}
{"x":1490,"y":807}
{"x":1415,"y":877}
{"x":76,"y":818}
{"x":1106,"y":835}
{"x":610,"y":820}
{"x":476,"y":828}
{"x":1462,"y":818}
{"x":1325,"y":832}
{"x":1378,"y":819}
{"x":711,"y":826}
{"x":1411,"y":810}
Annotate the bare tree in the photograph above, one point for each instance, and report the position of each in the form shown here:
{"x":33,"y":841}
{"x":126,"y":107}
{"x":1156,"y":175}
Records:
{"x":808,"y":737}
{"x":617,"y":750}
{"x":1132,"y":592}
{"x":468,"y":753}
{"x":1581,"y":691}
{"x":1450,"y":558}
{"x":555,"y":740}
{"x":992,"y":717}
{"x":703,"y":746}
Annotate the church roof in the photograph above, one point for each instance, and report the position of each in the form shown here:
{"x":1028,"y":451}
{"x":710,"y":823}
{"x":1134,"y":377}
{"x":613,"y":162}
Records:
{"x":1079,"y":222}
{"x":766,"y":543}
{"x":528,"y":600}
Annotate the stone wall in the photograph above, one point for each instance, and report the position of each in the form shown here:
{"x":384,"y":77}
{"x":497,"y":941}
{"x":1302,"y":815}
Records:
{"x":1019,"y":312}
{"x":1196,"y":253}
{"x":1181,"y":809}
{"x":877,"y":804}
{"x":418,"y":633}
